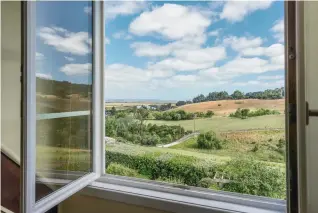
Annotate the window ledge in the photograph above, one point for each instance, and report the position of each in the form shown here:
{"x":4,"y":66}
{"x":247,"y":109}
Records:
{"x":179,"y":200}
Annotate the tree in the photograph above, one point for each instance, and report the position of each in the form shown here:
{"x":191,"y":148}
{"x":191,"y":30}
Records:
{"x":208,"y":140}
{"x":113,"y":111}
{"x":199,"y":98}
{"x":181,"y":103}
{"x":237,"y":94}
{"x":141,"y":115}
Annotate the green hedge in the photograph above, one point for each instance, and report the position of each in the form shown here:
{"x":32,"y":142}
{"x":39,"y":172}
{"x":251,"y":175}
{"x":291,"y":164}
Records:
{"x":168,"y":166}
{"x":247,"y":176}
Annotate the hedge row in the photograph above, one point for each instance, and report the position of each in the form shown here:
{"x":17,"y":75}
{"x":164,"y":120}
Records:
{"x":247,"y":176}
{"x":168,"y":166}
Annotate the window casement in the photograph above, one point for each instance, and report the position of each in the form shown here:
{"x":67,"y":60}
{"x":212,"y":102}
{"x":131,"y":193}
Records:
{"x":39,"y":115}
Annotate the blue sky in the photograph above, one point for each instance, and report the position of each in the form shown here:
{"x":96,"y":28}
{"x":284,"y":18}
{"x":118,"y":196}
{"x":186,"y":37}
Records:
{"x":166,"y":50}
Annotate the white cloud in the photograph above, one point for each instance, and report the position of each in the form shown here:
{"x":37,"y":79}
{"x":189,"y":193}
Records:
{"x":76,"y":69}
{"x":235,"y":11}
{"x":271,"y":51}
{"x":270,"y":77}
{"x":122,"y":35}
{"x":88,"y":10}
{"x":107,"y":41}
{"x":214,"y":32}
{"x":65,"y":41}
{"x":202,"y":55}
{"x":278,"y":30}
{"x":39,"y":56}
{"x":240,"y":43}
{"x":171,"y":21}
{"x":191,"y":59}
{"x":123,"y":8}
{"x":69,"y":58}
{"x":153,"y":50}
{"x":261,"y":84}
{"x":44,"y":76}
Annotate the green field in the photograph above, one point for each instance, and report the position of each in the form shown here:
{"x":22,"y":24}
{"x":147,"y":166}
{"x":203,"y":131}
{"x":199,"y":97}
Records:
{"x":220,"y":124}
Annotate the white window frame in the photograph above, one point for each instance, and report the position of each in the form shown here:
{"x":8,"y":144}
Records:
{"x":28,"y":154}
{"x":152,"y":194}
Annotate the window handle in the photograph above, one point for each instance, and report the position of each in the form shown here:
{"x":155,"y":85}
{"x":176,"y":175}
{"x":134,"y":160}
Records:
{"x":310,"y":113}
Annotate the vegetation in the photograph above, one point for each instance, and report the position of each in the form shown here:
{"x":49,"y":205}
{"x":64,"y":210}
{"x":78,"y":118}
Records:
{"x":208,"y":140}
{"x":119,"y":169}
{"x":221,"y":124}
{"x":246,"y":176}
{"x":177,"y":115}
{"x":246,"y":113}
{"x":277,"y":93}
{"x":130,"y":130}
{"x":251,"y":177}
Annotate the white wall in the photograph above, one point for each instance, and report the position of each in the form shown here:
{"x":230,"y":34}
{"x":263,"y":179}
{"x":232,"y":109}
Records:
{"x":10,"y":78}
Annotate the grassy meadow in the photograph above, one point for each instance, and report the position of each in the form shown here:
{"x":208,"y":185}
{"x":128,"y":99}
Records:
{"x":221,"y":123}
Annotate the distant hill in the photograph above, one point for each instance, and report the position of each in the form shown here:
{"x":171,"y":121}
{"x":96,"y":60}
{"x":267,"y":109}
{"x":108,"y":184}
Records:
{"x":226,"y":107}
{"x":139,"y":101}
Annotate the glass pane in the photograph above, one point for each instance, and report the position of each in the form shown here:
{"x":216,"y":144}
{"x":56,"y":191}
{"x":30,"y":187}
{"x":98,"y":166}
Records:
{"x":63,"y":93}
{"x":196,"y":95}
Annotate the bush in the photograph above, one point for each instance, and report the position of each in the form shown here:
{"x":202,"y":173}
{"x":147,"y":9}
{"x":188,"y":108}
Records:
{"x":167,"y":166}
{"x":256,"y":178}
{"x":245,"y":113}
{"x":255,"y":148}
{"x":209,"y":140}
{"x":118,"y":169}
{"x":246,"y":175}
{"x":206,"y":182}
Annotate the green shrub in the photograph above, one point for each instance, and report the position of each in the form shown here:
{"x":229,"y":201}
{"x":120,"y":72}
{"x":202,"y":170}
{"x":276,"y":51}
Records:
{"x":182,"y":168}
{"x":256,"y":178}
{"x":245,"y":113}
{"x":206,"y":182}
{"x":118,"y":169}
{"x":246,"y":175}
{"x":208,"y":140}
{"x":255,"y":148}
{"x":239,"y":102}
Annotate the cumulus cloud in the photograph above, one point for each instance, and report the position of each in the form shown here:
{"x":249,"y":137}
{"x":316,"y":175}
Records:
{"x":69,"y":58}
{"x":150,"y":49}
{"x":171,"y":21}
{"x":77,"y":43}
{"x":261,"y":84}
{"x":278,"y":30}
{"x":44,"y":76}
{"x":39,"y":56}
{"x":240,"y":43}
{"x":235,"y":11}
{"x":122,"y":35}
{"x":76,"y":69}
{"x":123,"y":8}
{"x":270,"y":77}
{"x":88,"y":10}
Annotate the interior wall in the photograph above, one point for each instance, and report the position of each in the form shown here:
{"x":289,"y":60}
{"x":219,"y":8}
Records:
{"x":83,"y":204}
{"x":10,"y":78}
{"x":311,"y":89}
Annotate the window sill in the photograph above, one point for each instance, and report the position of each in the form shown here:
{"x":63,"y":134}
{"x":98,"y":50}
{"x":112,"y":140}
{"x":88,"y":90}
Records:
{"x":167,"y":197}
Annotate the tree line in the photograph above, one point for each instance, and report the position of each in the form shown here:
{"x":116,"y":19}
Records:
{"x":277,"y":93}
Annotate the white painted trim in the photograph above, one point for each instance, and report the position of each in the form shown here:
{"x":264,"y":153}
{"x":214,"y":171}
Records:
{"x":10,"y":154}
{"x":98,"y":88}
{"x":28,"y":155}
{"x":63,"y":193}
{"x":167,"y":201}
{"x":5,"y":210}
{"x":46,"y":116}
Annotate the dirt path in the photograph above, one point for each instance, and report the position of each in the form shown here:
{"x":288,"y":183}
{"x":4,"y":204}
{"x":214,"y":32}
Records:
{"x":184,"y":138}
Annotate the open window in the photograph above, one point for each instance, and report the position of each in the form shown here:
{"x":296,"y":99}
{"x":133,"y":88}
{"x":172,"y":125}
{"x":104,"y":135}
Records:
{"x":62,"y":100}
